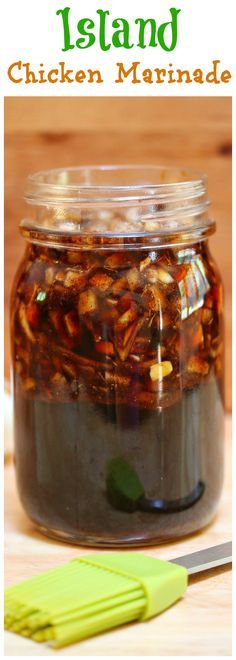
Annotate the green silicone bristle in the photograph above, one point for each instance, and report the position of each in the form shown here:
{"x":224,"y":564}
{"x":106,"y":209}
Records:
{"x":90,"y":595}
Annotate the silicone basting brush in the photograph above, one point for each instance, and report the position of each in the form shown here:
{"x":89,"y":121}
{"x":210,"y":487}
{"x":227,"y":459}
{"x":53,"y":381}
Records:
{"x":95,"y":593}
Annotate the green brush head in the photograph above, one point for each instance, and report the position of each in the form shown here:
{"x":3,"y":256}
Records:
{"x":92,"y":594}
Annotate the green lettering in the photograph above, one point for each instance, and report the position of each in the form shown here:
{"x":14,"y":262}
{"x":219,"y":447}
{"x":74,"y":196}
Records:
{"x":88,"y":38}
{"x":102,"y":29}
{"x":173,"y":26}
{"x":142,"y":29}
{"x":120,"y":38}
{"x":66,"y":27}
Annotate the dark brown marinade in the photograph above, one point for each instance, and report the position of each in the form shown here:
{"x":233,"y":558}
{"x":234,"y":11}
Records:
{"x":118,"y":356}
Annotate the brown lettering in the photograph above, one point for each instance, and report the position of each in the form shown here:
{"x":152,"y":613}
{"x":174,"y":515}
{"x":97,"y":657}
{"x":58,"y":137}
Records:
{"x":122,"y":73}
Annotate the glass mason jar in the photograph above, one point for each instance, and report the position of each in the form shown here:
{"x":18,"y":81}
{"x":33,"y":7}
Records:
{"x":117,"y":351}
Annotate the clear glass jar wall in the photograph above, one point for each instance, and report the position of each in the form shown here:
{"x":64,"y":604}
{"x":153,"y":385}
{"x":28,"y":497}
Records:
{"x":117,"y":351}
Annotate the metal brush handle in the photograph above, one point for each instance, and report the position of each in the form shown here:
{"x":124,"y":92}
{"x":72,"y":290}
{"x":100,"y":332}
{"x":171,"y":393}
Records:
{"x":203,"y":560}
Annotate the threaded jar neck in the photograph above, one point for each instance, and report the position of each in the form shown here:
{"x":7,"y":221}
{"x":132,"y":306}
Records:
{"x":114,"y":206}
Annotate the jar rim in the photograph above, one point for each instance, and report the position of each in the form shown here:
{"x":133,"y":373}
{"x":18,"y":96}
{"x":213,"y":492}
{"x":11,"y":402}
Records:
{"x":114,"y":205}
{"x":107,"y":183}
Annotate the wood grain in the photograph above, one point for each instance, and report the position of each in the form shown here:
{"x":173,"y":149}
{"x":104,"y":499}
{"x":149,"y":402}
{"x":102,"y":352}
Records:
{"x":199,"y":625}
{"x":55,"y":132}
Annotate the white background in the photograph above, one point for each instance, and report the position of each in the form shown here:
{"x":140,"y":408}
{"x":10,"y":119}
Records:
{"x":32,"y":32}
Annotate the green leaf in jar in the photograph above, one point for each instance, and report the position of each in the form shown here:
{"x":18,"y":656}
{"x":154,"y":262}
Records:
{"x":124,"y":488}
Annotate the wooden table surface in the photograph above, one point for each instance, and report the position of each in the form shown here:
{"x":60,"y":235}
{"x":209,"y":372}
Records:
{"x":199,"y":625}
